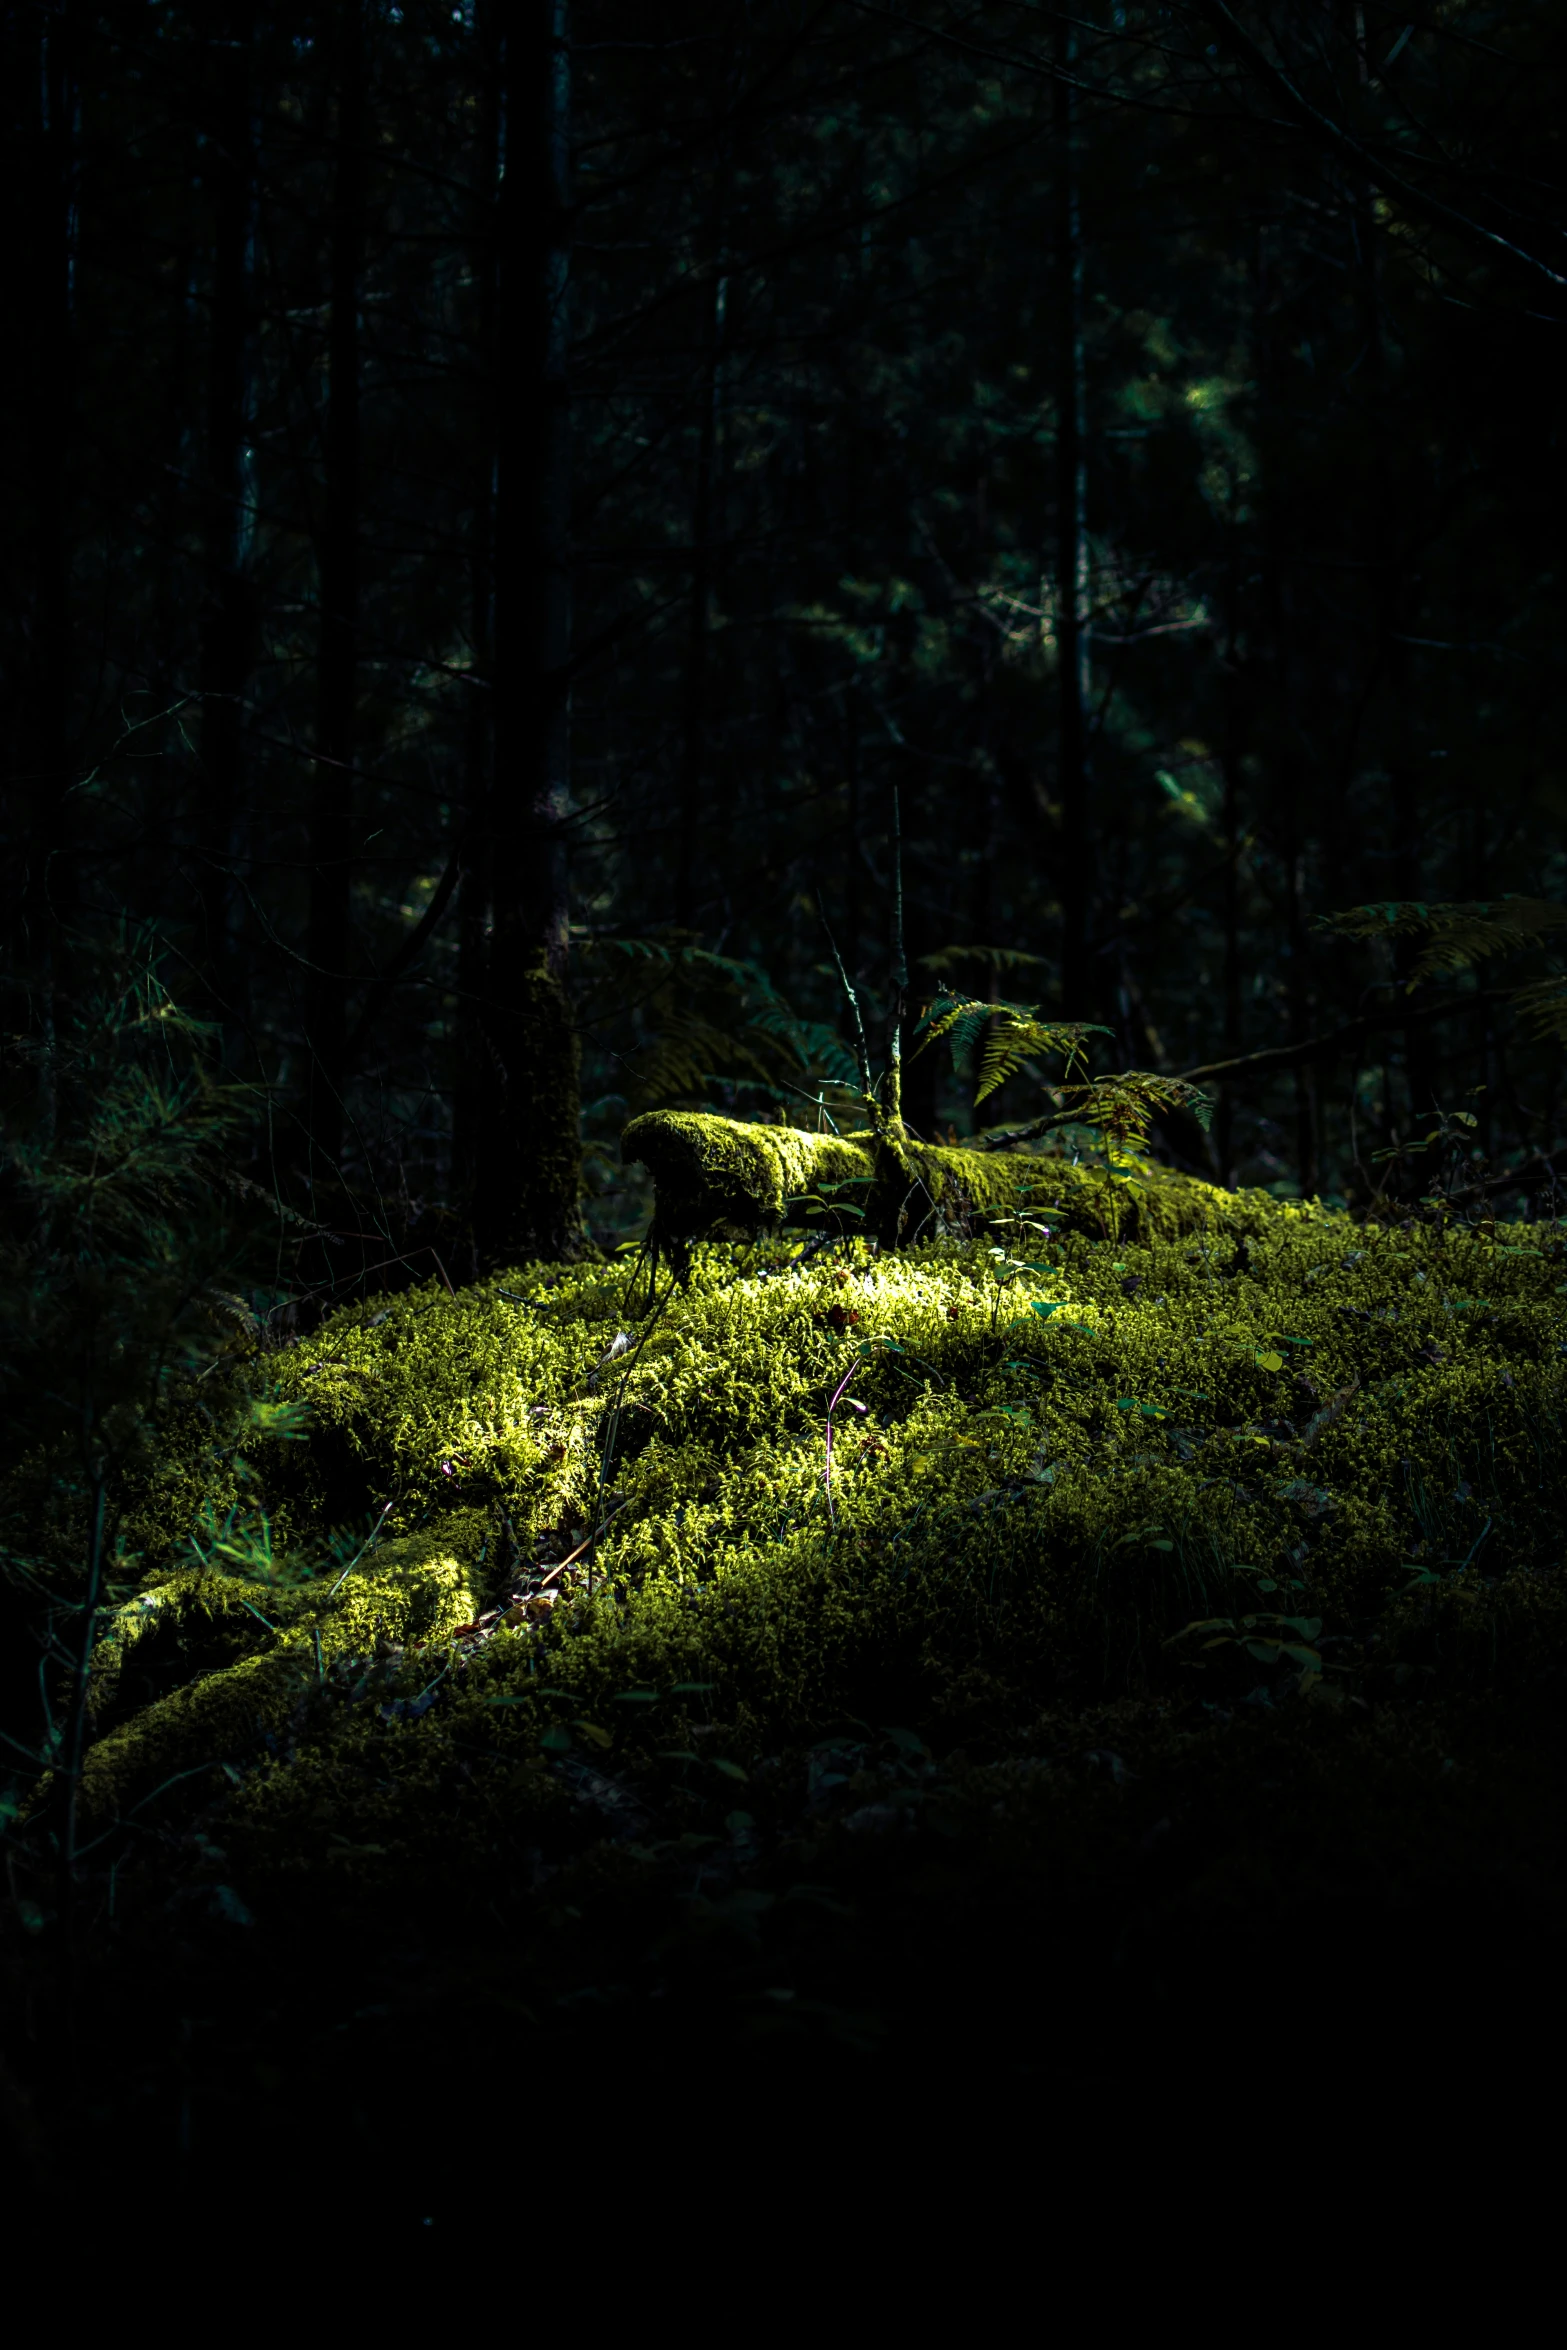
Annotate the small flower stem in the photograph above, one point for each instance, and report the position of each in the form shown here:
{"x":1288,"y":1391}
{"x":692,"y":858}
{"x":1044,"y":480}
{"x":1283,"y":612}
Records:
{"x":852,"y":1372}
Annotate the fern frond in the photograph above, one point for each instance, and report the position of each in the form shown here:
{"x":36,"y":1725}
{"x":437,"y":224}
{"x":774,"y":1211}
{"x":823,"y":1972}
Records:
{"x":947,"y":960}
{"x":1002,"y":1037}
{"x":1543,"y":1004}
{"x":1123,"y":1107}
{"x":1457,"y":936}
{"x":745,"y":1028}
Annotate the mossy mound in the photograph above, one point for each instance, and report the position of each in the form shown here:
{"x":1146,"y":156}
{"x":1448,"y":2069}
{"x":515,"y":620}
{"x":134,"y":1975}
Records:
{"x":1298,"y":1464}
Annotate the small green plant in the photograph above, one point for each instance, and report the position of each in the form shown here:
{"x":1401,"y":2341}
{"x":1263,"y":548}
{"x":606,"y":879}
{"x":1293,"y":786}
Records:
{"x":992,"y":1042}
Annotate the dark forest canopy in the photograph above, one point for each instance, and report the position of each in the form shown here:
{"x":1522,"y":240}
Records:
{"x":494,"y":491}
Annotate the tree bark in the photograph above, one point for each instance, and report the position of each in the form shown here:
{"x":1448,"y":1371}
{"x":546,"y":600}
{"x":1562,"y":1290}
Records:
{"x":527,"y":1195}
{"x":332,"y":793}
{"x":45,"y":136}
{"x":473,"y":1070}
{"x":1230,"y":763}
{"x":1072,"y":644}
{"x":693,"y":759}
{"x":229,"y":614}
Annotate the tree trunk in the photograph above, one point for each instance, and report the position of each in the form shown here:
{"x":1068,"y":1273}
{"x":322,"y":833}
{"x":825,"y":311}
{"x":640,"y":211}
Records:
{"x":332,"y":782}
{"x":228,"y":619}
{"x":699,"y":623}
{"x":1298,"y":990}
{"x":527,"y":1196}
{"x":40,"y":746}
{"x":1071,"y":599}
{"x":473,"y":1071}
{"x":1230,"y":761}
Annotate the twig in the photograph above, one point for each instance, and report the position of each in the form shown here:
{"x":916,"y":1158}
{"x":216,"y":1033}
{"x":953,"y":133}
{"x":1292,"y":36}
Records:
{"x":861,"y":1048}
{"x":851,"y":1372}
{"x":1533,"y":1173}
{"x":360,"y":1552}
{"x":1334,"y":1040}
{"x":900,"y":978}
{"x":571,"y":1560}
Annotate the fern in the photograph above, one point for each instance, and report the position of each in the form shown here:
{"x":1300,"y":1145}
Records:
{"x":1456,"y":936}
{"x":718,"y":1020}
{"x":1122,"y":1108}
{"x":992,"y":1042}
{"x":1460,"y":935}
{"x":1543,"y":1005}
{"x":948,"y":960}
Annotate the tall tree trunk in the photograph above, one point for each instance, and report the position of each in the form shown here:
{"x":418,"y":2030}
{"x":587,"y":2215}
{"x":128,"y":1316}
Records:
{"x":38,"y":736}
{"x":1385,"y":546}
{"x":1230,"y":766}
{"x":229,"y":616}
{"x":1298,"y":988}
{"x":699,"y":619}
{"x":473,"y":1072}
{"x":854,"y":851}
{"x":527,"y":1196}
{"x":1071,"y":599}
{"x":1286,"y":725}
{"x":332,"y":783}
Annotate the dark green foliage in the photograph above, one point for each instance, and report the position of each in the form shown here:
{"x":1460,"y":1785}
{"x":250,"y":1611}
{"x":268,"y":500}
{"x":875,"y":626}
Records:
{"x":1458,"y":938}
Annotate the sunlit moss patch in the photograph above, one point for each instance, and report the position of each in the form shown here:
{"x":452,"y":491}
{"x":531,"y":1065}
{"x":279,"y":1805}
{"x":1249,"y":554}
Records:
{"x":1269,"y":1455}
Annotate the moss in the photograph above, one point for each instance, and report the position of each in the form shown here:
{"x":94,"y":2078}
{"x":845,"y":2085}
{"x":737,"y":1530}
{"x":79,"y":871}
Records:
{"x":719,"y":1175}
{"x":925,"y":1191}
{"x":1068,"y":1455}
{"x":413,"y":1591}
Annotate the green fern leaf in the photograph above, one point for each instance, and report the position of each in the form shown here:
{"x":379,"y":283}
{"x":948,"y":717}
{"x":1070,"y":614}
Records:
{"x":1456,"y":936}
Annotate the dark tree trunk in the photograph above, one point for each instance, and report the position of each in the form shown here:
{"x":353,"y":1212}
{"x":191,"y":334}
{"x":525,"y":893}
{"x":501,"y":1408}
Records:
{"x":332,"y":782}
{"x":527,"y":1196}
{"x":693,"y":761}
{"x":1298,"y":991}
{"x":1076,"y":859}
{"x":39,"y":744}
{"x":1230,"y":758}
{"x":229,"y":616}
{"x":473,"y":1071}
{"x":1232,"y":753}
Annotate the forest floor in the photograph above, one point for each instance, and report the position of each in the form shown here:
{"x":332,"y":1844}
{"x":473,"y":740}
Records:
{"x":1113,"y":1914}
{"x":980,"y":1773}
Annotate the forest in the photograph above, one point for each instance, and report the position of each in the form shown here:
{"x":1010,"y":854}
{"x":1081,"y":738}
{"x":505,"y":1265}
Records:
{"x":783,"y":1160}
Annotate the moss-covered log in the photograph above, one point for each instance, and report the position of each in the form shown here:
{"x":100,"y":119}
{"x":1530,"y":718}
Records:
{"x":926,"y":1192}
{"x":722,"y":1176}
{"x":717,"y":1176}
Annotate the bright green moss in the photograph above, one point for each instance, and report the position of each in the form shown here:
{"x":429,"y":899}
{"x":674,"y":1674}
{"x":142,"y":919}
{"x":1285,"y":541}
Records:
{"x":720,"y":1175}
{"x":1071,"y":1450}
{"x":924,"y":1192}
{"x":413,"y":1591}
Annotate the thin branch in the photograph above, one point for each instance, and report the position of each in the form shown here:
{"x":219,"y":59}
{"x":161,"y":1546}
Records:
{"x":1333,"y":1041}
{"x":1430,"y":208}
{"x":404,"y":956}
{"x":862,"y":1052}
